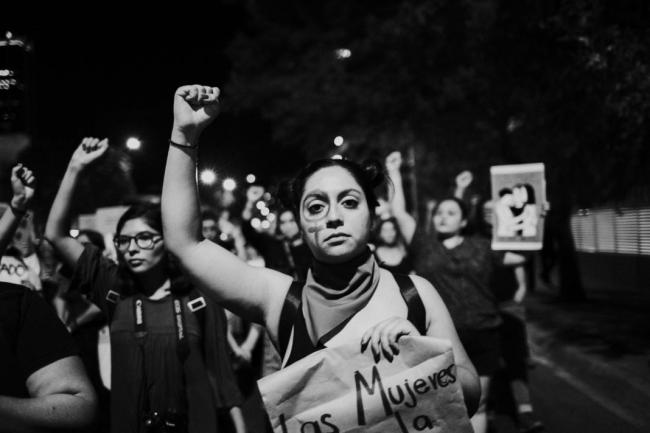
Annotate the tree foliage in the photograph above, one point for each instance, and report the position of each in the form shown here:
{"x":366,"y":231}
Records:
{"x":467,"y":84}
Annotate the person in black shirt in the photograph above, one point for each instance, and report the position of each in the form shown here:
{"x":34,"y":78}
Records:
{"x":168,"y":348}
{"x":43,"y":385}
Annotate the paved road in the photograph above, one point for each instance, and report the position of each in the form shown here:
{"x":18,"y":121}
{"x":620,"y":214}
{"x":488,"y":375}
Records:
{"x":568,"y":405}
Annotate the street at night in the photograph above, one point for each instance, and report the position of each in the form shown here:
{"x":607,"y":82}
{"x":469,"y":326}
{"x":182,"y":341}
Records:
{"x":327,"y":216}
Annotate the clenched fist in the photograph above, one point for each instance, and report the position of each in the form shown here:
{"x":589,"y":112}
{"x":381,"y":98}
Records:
{"x":195,"y":107}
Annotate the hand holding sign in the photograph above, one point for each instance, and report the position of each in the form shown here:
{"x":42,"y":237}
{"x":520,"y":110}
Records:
{"x":341,"y":390}
{"x":22,"y":185}
{"x":383,"y":337}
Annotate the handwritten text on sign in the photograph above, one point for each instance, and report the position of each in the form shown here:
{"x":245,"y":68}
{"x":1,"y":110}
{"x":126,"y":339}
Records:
{"x":341,"y":390}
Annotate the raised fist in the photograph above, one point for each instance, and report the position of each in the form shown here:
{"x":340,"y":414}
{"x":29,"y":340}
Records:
{"x":195,"y":107}
{"x":22,"y":186}
{"x":89,"y":150}
{"x":254,"y":193}
{"x":394,"y":162}
{"x":464,"y":179}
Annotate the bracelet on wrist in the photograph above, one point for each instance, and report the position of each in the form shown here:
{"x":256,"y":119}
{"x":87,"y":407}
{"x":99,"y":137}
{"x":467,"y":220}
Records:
{"x":186,"y":146}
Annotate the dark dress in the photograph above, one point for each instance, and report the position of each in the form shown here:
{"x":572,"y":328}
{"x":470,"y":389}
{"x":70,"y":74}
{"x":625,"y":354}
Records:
{"x":151,"y":371}
{"x":461,"y":276}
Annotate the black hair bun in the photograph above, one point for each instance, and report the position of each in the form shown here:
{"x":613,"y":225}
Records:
{"x":374,"y":172}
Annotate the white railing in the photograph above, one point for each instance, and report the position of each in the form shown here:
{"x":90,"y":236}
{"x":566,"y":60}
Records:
{"x":624,"y":230}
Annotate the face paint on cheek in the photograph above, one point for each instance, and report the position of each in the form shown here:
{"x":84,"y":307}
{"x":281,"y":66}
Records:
{"x":315,"y":228}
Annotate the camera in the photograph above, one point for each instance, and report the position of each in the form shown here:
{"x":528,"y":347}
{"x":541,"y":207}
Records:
{"x":167,"y":422}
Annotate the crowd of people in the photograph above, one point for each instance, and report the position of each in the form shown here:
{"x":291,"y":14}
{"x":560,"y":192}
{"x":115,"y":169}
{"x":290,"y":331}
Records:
{"x":200,"y":303}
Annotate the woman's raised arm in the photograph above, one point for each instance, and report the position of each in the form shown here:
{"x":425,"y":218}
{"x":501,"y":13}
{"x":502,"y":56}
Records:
{"x":256,"y":294}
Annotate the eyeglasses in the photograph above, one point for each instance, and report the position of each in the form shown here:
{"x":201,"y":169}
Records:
{"x":144,"y":240}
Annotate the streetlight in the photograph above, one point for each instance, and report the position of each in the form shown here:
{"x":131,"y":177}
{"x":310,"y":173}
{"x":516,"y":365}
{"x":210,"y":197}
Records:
{"x":208,"y":177}
{"x":251,"y":178}
{"x":260,"y":205}
{"x":343,"y":53}
{"x":229,"y":184}
{"x":338,"y":141}
{"x":133,"y":143}
{"x":337,"y":156}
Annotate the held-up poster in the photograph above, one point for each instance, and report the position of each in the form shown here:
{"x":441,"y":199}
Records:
{"x":340,"y":389}
{"x":518,"y":205}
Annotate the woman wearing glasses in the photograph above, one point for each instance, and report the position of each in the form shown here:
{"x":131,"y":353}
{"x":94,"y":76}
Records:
{"x":170,"y":366}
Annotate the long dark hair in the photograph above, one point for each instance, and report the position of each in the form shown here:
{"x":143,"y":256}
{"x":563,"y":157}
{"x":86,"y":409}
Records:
{"x":151,"y":215}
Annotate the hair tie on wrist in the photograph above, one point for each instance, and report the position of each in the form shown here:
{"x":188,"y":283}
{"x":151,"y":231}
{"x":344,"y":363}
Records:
{"x":186,"y":146}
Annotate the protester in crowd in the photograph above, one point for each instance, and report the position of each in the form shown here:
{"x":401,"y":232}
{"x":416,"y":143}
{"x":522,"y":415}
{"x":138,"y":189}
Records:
{"x":170,"y":368}
{"x":85,"y":321}
{"x":13,"y":224}
{"x":346,"y":297}
{"x":285,"y":252}
{"x":459,"y":266}
{"x":22,"y":186}
{"x":42,"y":382}
{"x":390,"y":249}
{"x":509,"y":285}
{"x":43,"y":385}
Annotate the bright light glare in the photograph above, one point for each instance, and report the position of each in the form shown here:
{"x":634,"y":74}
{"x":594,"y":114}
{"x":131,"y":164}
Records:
{"x":266,"y":224}
{"x":338,"y":141}
{"x":337,"y":157}
{"x":260,"y":205}
{"x":74,"y":233}
{"x":251,"y":178}
{"x":256,"y":223}
{"x":208,"y":177}
{"x":265,"y":211}
{"x":133,"y":143}
{"x":229,"y":184}
{"x":343,"y":53}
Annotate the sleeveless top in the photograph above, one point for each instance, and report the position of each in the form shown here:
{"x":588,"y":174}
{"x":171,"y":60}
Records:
{"x":294,"y":341}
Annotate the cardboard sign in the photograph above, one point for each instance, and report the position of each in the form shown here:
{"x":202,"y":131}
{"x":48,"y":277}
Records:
{"x":341,"y":390}
{"x":518,"y":205}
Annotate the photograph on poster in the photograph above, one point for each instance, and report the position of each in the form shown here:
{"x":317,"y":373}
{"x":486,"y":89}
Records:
{"x":519,"y":200}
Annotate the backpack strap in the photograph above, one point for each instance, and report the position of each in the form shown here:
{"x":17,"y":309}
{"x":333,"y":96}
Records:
{"x":416,"y":312}
{"x":289,"y":313}
{"x":111,"y":299}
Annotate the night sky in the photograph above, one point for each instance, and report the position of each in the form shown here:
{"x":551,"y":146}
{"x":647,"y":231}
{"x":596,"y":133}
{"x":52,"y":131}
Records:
{"x":118,"y":81}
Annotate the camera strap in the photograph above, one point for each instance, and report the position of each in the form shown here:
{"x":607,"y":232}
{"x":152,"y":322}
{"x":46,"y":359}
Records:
{"x":182,"y":346}
{"x":140,"y":325}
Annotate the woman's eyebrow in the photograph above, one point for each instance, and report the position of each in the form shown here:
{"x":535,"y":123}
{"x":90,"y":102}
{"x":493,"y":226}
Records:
{"x":348,"y":191}
{"x":315,"y":193}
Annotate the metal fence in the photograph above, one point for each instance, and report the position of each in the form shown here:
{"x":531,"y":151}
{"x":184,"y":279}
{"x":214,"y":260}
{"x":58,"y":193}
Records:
{"x":624,"y":230}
